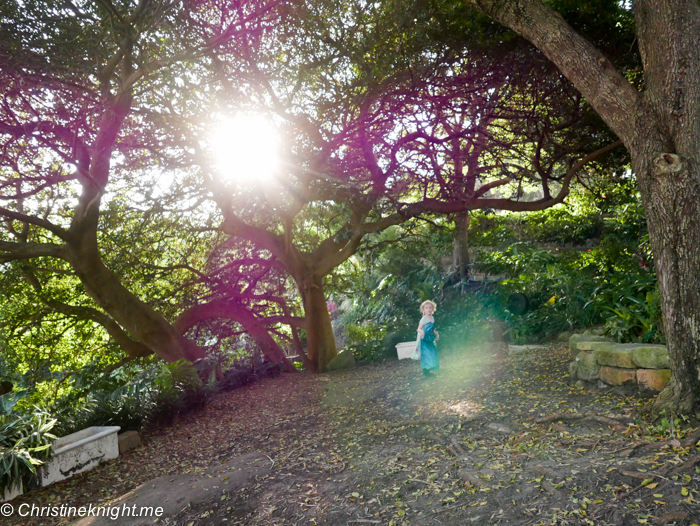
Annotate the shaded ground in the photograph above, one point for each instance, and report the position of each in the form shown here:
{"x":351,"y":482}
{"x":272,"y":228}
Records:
{"x":494,"y":440}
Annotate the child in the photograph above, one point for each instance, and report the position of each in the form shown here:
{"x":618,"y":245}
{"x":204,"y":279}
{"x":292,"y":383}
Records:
{"x":428,"y":336}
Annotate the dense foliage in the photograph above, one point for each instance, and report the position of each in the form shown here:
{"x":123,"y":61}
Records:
{"x":596,"y":270}
{"x":612,"y":283}
{"x":25,"y":442}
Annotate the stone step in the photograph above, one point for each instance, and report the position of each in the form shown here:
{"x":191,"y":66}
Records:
{"x":653,"y":378}
{"x":651,"y":356}
{"x":618,"y":375}
{"x":619,"y":363}
{"x":582,"y":342}
{"x":585,"y":367}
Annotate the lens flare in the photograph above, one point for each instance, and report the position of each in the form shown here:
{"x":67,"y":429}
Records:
{"x":246,"y":149}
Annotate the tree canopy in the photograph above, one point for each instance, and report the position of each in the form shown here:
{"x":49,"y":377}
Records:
{"x":386,"y":112}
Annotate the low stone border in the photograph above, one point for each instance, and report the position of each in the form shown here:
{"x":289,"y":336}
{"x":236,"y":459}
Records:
{"x":600,"y":358}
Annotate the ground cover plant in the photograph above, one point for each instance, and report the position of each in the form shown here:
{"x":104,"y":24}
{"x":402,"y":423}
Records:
{"x":141,"y":397}
{"x":155,"y":393}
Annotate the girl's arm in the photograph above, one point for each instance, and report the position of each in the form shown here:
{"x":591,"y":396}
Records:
{"x":421,"y":332}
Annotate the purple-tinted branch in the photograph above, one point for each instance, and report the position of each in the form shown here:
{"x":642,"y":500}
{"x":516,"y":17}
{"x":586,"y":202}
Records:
{"x":55,"y":229}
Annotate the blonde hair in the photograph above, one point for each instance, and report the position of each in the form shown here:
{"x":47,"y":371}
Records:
{"x":428,"y":302}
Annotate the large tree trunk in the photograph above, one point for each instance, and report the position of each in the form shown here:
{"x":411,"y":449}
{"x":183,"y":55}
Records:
{"x":660,"y":126}
{"x":136,"y":317}
{"x":670,"y":185}
{"x":319,"y":331}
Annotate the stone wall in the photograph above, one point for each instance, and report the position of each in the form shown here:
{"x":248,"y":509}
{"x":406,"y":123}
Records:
{"x":600,"y":358}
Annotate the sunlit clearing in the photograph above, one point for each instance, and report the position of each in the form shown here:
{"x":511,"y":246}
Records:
{"x":468,"y":355}
{"x":468,"y":409}
{"x":246,"y":149}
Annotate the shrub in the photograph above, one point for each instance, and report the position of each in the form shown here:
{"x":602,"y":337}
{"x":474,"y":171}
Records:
{"x":555,"y":225}
{"x":25,"y":442}
{"x":610,"y":284}
{"x":154,"y":394}
{"x":633,"y":307}
{"x":365,"y":341}
{"x":560,"y":226}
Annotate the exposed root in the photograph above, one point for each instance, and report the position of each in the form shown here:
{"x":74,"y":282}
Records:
{"x":686,"y":466}
{"x":673,"y":400}
{"x":688,"y":441}
{"x":691,"y":440}
{"x":458,"y":448}
{"x":615,"y":424}
{"x":633,"y":474}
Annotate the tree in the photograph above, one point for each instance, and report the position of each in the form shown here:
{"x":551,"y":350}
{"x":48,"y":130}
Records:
{"x":375,"y":112}
{"x":372,"y":146}
{"x":78,"y":82}
{"x":512,"y":123}
{"x":660,"y":127}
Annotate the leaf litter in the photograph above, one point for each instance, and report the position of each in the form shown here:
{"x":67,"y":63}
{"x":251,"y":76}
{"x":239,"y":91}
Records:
{"x":495,"y":439}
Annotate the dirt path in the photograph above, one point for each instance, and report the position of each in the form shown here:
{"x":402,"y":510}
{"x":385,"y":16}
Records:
{"x":494,"y":439}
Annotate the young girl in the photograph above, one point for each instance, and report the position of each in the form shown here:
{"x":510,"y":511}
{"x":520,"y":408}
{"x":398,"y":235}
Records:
{"x":428,"y":336}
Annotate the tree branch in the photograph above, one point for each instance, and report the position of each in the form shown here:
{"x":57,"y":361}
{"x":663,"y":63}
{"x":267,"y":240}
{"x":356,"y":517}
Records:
{"x":224,"y":308}
{"x":16,"y":251}
{"x":610,"y":94}
{"x":48,"y":225}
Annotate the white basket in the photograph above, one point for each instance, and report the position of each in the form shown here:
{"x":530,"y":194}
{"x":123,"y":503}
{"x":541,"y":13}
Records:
{"x":405,"y":349}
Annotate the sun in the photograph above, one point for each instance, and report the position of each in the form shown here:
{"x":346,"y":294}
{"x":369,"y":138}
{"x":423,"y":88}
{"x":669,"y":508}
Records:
{"x":246,"y":149}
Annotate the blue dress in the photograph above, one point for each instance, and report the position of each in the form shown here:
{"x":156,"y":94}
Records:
{"x":428,"y":352}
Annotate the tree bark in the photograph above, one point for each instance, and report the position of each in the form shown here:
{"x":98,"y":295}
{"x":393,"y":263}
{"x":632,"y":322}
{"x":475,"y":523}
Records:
{"x":135,"y":316}
{"x":319,"y":331}
{"x":671,"y":186}
{"x":661,"y":129}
